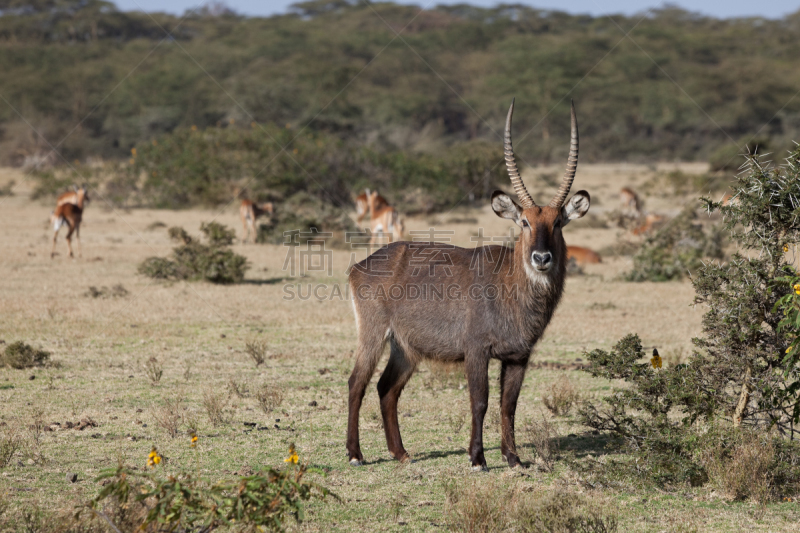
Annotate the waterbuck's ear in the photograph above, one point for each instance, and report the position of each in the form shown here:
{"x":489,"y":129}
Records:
{"x":577,"y":206}
{"x":505,"y":207}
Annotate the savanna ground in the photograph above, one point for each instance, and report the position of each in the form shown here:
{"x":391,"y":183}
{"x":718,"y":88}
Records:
{"x":197,"y":333}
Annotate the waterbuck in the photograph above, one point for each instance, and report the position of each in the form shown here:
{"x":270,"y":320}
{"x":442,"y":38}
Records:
{"x":441,"y":302}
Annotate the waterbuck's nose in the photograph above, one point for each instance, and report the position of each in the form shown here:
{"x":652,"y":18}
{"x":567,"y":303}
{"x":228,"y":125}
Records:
{"x":542,"y":260}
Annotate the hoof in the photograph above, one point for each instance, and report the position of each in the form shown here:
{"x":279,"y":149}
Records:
{"x":355,"y":462}
{"x":480,"y":468}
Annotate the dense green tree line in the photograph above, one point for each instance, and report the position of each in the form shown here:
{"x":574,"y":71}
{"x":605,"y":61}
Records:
{"x":679,"y":86}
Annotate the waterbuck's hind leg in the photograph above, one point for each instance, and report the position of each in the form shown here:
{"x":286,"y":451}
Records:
{"x":371,"y":340}
{"x":477,"y":370}
{"x":511,"y":377}
{"x":397,"y":373}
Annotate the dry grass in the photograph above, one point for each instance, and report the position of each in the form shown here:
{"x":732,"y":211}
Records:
{"x":560,"y":396}
{"x":484,"y":506}
{"x":445,"y":375}
{"x":153,"y":370}
{"x":269,"y":397}
{"x":169,"y":416}
{"x":10,"y":443}
{"x":742,"y":473}
{"x":257,"y":350}
{"x":239,"y":388}
{"x":216,"y":406}
{"x":541,"y":442}
{"x":197,"y":333}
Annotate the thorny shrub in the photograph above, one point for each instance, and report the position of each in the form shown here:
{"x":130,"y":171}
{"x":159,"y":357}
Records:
{"x":689,"y":422}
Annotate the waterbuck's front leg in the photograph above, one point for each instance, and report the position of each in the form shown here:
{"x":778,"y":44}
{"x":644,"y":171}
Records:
{"x":511,"y":376}
{"x":477,"y":370}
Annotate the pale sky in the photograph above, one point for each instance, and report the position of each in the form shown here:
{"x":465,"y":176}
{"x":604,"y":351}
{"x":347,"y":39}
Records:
{"x":716,"y":8}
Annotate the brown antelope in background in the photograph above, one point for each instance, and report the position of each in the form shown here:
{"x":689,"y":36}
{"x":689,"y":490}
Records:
{"x":362,"y":204}
{"x":651,"y":221}
{"x":71,"y":215}
{"x":441,"y":302}
{"x":583,"y":256}
{"x":383,"y":219}
{"x":631,"y":205}
{"x":249,"y":211}
{"x":71,"y":197}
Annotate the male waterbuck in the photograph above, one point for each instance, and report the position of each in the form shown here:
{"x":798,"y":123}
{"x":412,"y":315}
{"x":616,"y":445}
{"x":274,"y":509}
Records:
{"x":441,"y":302}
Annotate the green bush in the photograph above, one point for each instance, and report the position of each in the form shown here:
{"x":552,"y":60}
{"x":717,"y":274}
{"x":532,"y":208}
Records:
{"x":192,"y":260}
{"x":677,"y":249}
{"x":191,"y":167}
{"x":730,"y":157}
{"x":300,"y":213}
{"x":217,"y":234}
{"x":743,"y":379}
{"x":20,"y":355}
{"x":264,"y":501}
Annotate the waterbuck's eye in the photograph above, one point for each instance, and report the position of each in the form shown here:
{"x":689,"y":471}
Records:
{"x":525,"y":223}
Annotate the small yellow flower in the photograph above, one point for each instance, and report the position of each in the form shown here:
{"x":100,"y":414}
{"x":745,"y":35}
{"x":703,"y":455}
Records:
{"x":194,"y":128}
{"x":133,"y":151}
{"x":153,"y":458}
{"x":655,"y":361}
{"x":293,"y":458}
{"x":785,"y":248}
{"x":194,"y":440}
{"x":796,"y":288}
{"x":789,"y":349}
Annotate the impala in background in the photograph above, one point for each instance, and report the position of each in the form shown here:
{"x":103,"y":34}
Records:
{"x":249,"y":211}
{"x":69,"y":214}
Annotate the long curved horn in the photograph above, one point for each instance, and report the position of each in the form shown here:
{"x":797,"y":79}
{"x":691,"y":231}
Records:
{"x":572,"y":164}
{"x":511,"y":164}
